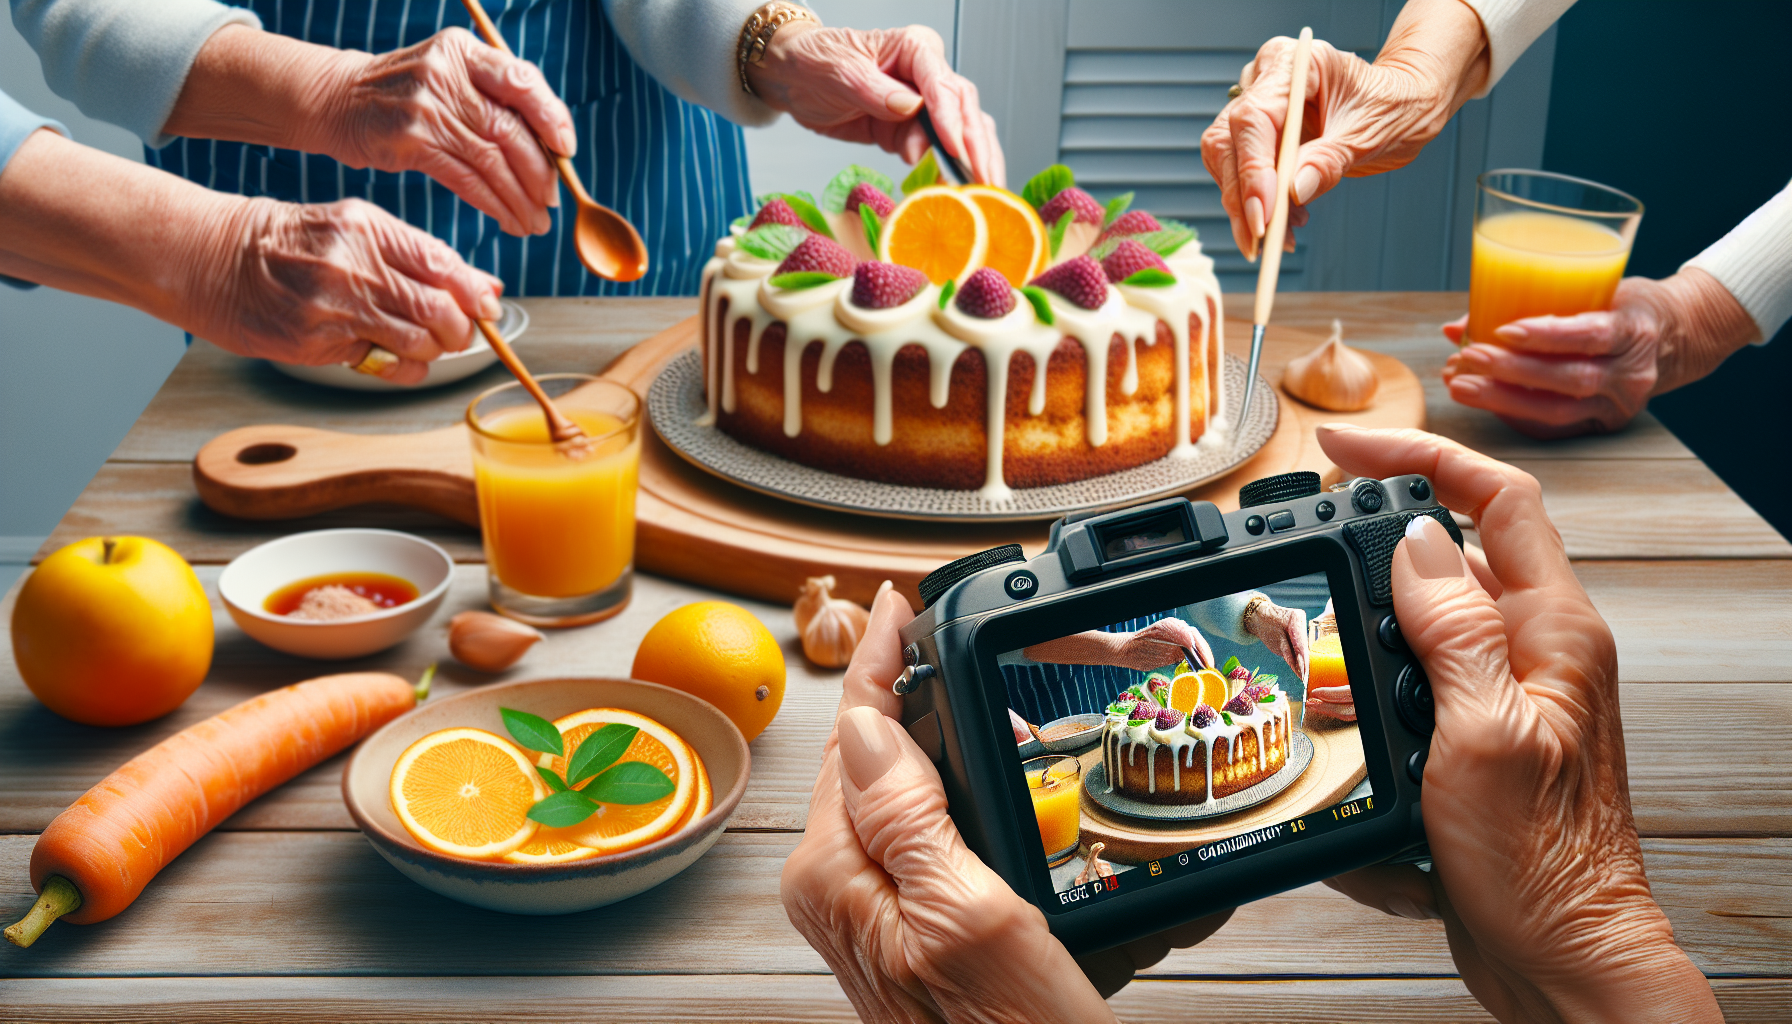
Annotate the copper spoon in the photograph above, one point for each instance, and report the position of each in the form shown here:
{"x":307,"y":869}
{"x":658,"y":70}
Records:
{"x":564,"y":432}
{"x":608,"y":244}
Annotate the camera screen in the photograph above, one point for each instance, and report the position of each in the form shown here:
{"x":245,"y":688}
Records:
{"x":1165,"y":744}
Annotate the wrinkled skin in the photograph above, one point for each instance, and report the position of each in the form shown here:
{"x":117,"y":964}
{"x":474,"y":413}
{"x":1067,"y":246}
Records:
{"x":866,"y":86}
{"x":316,"y":284}
{"x":1538,"y":870}
{"x":1557,"y":376}
{"x":1158,"y":644}
{"x":457,"y":110}
{"x":914,"y":926}
{"x":1283,"y":631}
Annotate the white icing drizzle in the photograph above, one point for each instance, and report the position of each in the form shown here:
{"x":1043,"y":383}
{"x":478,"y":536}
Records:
{"x":1183,"y":740}
{"x":827,"y":314}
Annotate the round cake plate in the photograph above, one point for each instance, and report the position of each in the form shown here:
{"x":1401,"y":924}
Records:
{"x":675,"y":402}
{"x":1095,"y":780}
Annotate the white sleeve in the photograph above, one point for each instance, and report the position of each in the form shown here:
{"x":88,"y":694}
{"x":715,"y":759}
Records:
{"x":689,"y":46}
{"x":1511,"y":27}
{"x":123,"y":61}
{"x":1754,"y":261}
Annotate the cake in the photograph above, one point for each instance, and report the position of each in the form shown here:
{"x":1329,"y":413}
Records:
{"x":977,"y":369}
{"x":1161,"y":755}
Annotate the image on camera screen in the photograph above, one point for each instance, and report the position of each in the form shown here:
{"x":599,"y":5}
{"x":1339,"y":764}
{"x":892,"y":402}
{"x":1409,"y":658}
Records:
{"x":1188,"y":737}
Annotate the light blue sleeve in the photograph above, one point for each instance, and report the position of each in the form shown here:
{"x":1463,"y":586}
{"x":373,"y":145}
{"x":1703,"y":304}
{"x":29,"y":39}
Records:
{"x":689,"y":47}
{"x":123,"y":61}
{"x":1224,"y":616}
{"x":16,"y":125}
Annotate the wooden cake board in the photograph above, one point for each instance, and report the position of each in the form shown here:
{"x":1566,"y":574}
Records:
{"x":1336,"y":769}
{"x":696,"y":527}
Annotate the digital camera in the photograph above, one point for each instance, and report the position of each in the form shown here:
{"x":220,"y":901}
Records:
{"x":1158,"y":660}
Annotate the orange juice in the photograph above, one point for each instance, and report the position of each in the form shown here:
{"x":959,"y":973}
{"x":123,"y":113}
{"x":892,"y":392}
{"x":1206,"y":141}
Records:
{"x":1325,"y":663}
{"x":1530,"y":263}
{"x":1057,"y":804}
{"x":556,"y":525}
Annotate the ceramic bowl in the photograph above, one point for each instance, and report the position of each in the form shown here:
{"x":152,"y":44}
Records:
{"x":247,"y":582}
{"x":1088,"y":731}
{"x":547,"y":888}
{"x":450,"y":367}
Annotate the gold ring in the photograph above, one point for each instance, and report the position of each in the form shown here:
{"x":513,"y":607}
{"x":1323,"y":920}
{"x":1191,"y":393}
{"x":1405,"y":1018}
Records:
{"x":375,"y":362}
{"x":1234,"y":92}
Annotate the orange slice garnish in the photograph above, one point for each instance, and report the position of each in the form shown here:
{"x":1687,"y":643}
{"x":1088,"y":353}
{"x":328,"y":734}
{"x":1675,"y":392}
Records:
{"x":1017,"y":237}
{"x":550,"y":846}
{"x":700,"y":804}
{"x":466,"y":792}
{"x":939,"y":231}
{"x":618,"y":827}
{"x":1193,"y":688}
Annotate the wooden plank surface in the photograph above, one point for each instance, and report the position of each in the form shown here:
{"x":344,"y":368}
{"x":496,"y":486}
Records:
{"x":1683,"y":781}
{"x":776,"y":999}
{"x":324,"y":903}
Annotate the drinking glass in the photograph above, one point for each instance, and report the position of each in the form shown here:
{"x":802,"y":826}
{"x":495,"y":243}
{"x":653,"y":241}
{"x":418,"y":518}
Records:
{"x":558,"y":521}
{"x":1056,"y":785}
{"x":1545,"y":244}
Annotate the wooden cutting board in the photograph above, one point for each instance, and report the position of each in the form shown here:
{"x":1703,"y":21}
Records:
{"x":1335,"y":770}
{"x":695,"y":527}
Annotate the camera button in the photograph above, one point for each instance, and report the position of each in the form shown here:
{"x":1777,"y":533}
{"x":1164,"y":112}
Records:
{"x":1412,"y":698}
{"x":1389,"y":632}
{"x":1279,"y":521}
{"x":1420,"y":490}
{"x":1325,"y":510}
{"x":1254,"y":524}
{"x":1415,"y":765}
{"x":1021,"y":585}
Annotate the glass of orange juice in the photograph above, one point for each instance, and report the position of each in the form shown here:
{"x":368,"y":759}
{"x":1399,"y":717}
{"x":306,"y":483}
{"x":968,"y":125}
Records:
{"x":559,"y":521}
{"x":1545,"y":244}
{"x":1056,"y":785}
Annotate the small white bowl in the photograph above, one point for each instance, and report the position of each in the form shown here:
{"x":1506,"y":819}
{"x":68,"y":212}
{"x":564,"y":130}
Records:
{"x":450,"y":367}
{"x":570,"y":886}
{"x":247,"y":582}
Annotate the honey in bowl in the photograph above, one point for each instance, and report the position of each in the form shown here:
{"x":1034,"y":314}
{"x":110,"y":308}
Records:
{"x":340,"y":595}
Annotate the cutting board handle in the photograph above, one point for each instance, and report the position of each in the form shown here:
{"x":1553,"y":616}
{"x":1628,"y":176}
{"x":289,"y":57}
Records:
{"x":276,"y":471}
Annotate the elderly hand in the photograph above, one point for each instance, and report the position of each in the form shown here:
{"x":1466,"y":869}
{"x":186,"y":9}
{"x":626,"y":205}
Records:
{"x":320,"y":283}
{"x":1554,"y":376}
{"x":1360,"y":118}
{"x":1163,"y":643}
{"x":1282,"y":630}
{"x":451,"y":107}
{"x":867,"y":86}
{"x":914,"y":926}
{"x":1538,"y":872}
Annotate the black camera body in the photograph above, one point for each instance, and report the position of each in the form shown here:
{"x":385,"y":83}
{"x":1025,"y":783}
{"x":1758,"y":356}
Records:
{"x":1103,"y":568}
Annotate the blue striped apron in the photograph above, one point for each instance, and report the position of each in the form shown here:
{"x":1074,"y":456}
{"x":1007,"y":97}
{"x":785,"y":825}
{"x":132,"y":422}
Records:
{"x":677,"y":171}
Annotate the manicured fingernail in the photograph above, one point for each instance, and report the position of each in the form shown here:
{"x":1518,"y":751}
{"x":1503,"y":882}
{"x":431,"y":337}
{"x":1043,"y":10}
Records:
{"x":569,"y":141}
{"x":1253,"y":216}
{"x":1511,"y":332}
{"x":903,"y":103}
{"x":882,"y":588}
{"x":1433,"y":553}
{"x":1406,"y":908}
{"x":1305,"y":184}
{"x":866,"y":746}
{"x":1465,"y":385}
{"x":1339,"y":426}
{"x":489,"y":308}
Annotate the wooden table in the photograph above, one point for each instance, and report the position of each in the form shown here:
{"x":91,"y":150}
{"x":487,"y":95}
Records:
{"x":286,"y":913}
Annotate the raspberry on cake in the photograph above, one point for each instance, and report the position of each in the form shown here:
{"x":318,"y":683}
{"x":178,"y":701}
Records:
{"x":1128,"y":258}
{"x":1132,"y":222}
{"x":1087,"y":210}
{"x":860,"y":377}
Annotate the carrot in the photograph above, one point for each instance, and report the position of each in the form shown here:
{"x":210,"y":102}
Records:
{"x":97,"y":856}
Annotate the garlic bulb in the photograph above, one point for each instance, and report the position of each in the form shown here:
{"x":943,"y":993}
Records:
{"x":1332,"y":376}
{"x":831,"y":627}
{"x":1094,"y":867}
{"x":489,"y":643}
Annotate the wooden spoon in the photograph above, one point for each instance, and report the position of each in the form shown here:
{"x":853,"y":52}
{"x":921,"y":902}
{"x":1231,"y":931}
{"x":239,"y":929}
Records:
{"x":1271,"y":249}
{"x":564,"y":432}
{"x":608,"y":244}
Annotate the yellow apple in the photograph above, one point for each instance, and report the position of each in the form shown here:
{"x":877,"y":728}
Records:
{"x":112,"y":631}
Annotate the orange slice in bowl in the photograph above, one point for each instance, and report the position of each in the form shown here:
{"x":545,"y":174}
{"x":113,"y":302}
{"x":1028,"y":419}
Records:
{"x":939,"y":231}
{"x":700,"y":804}
{"x":1017,"y":237}
{"x":466,"y":792}
{"x":618,"y":827}
{"x":550,"y":846}
{"x":1192,"y":688}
